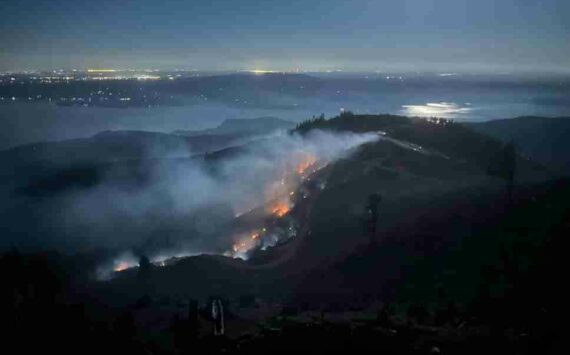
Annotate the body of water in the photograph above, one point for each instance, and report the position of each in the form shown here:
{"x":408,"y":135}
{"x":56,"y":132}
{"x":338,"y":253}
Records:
{"x":470,"y":98}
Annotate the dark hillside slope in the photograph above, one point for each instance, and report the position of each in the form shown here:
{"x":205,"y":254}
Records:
{"x":486,"y":262}
{"x":416,"y":166}
{"x":451,"y":254}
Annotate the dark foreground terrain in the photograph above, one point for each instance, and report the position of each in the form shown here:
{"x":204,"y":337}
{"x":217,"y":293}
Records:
{"x":459,"y":259}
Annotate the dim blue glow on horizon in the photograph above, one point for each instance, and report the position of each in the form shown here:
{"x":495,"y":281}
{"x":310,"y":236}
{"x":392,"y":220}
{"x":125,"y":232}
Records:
{"x":363,"y":35}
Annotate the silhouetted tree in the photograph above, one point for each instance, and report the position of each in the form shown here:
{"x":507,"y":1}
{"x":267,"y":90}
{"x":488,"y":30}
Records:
{"x":218,"y":316}
{"x":372,"y":213}
{"x":309,"y":124}
{"x":144,"y":267}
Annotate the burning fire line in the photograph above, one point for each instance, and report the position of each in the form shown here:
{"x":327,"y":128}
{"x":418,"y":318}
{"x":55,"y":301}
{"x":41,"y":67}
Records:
{"x":122,"y":266}
{"x":279,"y":199}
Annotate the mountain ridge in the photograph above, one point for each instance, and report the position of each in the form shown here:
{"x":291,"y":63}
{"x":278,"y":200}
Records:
{"x":544,"y":139}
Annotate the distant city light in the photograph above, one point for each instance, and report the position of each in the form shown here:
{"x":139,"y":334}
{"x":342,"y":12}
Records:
{"x":101,"y":70}
{"x":262,"y":71}
{"x":147,"y":77}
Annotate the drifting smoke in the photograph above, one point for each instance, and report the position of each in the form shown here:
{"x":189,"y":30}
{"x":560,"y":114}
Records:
{"x":187,"y":206}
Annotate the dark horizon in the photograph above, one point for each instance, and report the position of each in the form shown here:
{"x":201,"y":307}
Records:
{"x":517,"y":73}
{"x":499,"y":70}
{"x":412,"y":35}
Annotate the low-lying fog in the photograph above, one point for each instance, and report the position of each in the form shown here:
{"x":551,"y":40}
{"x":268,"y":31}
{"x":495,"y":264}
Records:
{"x":462,"y":97}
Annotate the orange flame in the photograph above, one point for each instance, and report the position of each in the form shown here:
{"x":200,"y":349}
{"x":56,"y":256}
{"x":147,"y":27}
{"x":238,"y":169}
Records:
{"x":121,"y":266}
{"x":279,"y":208}
{"x":306,"y":162}
{"x":279,"y":195}
{"x":245,"y":243}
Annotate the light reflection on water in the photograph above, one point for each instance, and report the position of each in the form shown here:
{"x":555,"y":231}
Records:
{"x":439,"y":109}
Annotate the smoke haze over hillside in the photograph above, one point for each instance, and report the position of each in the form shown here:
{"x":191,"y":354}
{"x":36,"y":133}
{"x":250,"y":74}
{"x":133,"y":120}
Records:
{"x":182,"y":205}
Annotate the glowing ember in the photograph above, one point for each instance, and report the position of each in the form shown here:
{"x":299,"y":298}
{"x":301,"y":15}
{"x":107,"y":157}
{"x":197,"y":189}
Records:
{"x":279,"y":208}
{"x":307,"y":161}
{"x":245,"y":244}
{"x":121,"y":266}
{"x":278,"y":195}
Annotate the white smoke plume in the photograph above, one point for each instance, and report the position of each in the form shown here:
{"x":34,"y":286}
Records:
{"x":187,"y":205}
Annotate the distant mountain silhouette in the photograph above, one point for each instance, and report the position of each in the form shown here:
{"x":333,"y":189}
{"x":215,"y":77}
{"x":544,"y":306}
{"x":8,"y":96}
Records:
{"x":113,"y":146}
{"x":543,"y":139}
{"x":240,"y":126}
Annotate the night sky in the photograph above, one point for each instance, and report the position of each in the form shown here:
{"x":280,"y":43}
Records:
{"x":360,"y":35}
